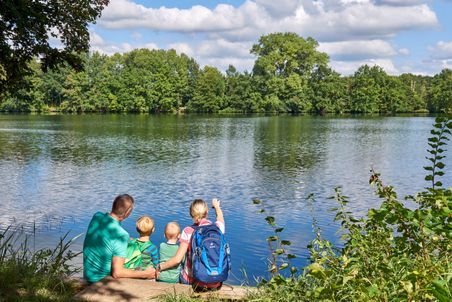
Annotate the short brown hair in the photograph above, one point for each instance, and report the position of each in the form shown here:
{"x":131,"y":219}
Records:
{"x":122,"y":204}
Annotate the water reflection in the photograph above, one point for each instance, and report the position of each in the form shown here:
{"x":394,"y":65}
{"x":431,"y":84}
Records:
{"x":58,"y":170}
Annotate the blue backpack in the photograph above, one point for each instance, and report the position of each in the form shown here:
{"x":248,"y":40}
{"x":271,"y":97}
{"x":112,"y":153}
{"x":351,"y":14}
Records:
{"x":210,"y":254}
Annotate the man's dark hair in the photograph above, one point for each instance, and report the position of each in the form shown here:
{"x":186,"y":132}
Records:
{"x":122,"y":204}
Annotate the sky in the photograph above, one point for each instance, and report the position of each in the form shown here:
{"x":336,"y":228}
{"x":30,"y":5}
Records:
{"x":399,"y":35}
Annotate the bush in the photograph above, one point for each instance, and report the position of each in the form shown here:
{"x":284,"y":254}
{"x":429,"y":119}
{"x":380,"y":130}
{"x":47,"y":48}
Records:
{"x":393,"y":254}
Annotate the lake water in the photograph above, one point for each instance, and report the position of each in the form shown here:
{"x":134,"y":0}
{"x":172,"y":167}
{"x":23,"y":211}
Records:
{"x":56,"y":171}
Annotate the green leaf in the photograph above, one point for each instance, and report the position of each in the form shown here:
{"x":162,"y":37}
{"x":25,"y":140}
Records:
{"x":256,"y":201}
{"x":284,"y":266}
{"x":272,"y":238}
{"x":270,"y":220}
{"x":429,"y":178}
{"x":440,"y":291}
{"x":440,"y":165}
{"x":438,"y":184}
{"x":278,"y":252}
{"x":291,"y":256}
{"x":279,"y":230}
{"x":285,"y":242}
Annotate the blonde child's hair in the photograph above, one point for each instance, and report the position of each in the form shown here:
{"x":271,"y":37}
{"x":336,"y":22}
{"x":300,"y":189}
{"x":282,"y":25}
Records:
{"x":145,"y":225}
{"x":172,"y":230}
{"x":198,"y":209}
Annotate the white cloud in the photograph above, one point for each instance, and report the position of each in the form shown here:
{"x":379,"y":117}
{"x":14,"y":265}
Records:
{"x":280,"y":8}
{"x":122,"y":14}
{"x":357,"y":18}
{"x":219,"y":53}
{"x":97,"y":43}
{"x":400,"y":2}
{"x":182,"y":48}
{"x":349,"y":67}
{"x":425,"y":67}
{"x":224,"y":48}
{"x":404,"y":51}
{"x":353,"y":50}
{"x":441,"y":51}
{"x":353,"y":32}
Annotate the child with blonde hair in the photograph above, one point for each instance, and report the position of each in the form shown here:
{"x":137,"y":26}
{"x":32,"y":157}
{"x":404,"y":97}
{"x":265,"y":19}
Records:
{"x":141,"y":252}
{"x":168,"y":250}
{"x":199,"y":213}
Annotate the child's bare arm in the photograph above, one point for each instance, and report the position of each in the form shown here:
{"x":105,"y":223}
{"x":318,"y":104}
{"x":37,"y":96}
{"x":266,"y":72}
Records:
{"x":177,"y":259}
{"x":218,"y":211}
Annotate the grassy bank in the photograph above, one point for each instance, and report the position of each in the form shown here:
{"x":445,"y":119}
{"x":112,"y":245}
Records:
{"x":28,"y":275}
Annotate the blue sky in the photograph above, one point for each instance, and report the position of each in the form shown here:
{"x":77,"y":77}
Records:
{"x":399,"y":35}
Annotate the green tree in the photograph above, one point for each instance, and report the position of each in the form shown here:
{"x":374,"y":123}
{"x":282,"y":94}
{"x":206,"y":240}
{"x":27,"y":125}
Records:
{"x":366,"y":92}
{"x":440,"y":92}
{"x":209,"y":92}
{"x":328,"y":92}
{"x":27,"y":26}
{"x":284,"y":64}
{"x":416,"y":90}
{"x":240,"y":95}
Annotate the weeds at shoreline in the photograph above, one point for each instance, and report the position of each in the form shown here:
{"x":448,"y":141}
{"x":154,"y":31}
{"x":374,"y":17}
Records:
{"x":42,"y":275}
{"x":393,"y":254}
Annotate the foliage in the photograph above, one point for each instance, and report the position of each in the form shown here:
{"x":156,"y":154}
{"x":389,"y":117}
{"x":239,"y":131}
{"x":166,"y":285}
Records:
{"x":41,"y":275}
{"x":440,"y":92}
{"x":209,"y":92}
{"x":289,"y":75}
{"x":26,"y":28}
{"x":395,"y":253}
{"x":280,"y":258}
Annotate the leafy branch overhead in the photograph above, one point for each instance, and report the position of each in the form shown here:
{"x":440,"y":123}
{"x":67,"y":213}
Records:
{"x":27,"y":27}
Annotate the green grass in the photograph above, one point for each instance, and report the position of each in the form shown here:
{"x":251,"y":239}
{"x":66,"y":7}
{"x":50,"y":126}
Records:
{"x":41,"y":275}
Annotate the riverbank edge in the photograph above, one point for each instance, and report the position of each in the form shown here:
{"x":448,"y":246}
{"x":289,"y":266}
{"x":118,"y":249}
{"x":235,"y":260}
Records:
{"x":131,"y":290}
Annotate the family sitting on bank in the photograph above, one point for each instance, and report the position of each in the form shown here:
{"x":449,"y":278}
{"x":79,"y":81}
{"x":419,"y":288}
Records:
{"x":200,"y":259}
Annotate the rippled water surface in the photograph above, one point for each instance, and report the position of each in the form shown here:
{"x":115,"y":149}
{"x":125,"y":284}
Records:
{"x":57,"y":170}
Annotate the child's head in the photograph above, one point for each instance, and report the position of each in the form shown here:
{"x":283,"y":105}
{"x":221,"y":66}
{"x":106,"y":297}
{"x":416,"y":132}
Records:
{"x":172,"y":231}
{"x":145,"y":226}
{"x":198,"y":210}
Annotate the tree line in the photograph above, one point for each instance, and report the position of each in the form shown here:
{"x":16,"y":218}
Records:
{"x":289,"y":75}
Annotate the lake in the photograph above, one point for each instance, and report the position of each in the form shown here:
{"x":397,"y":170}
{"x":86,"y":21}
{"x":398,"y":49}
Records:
{"x":56,"y":171}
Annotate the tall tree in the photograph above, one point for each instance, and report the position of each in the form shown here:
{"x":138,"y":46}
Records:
{"x":328,"y":91}
{"x":440,"y":93}
{"x":209,"y":92}
{"x":285,"y":62}
{"x":27,"y":26}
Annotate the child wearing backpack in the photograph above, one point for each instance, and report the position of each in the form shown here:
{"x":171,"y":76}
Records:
{"x":208,"y":259}
{"x":141,"y":252}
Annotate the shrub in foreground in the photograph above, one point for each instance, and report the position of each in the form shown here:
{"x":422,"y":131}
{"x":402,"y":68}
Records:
{"x":394,"y":253}
{"x":42,"y":275}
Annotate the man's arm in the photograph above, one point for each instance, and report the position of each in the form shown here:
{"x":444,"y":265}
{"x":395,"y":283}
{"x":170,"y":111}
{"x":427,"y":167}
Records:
{"x":119,"y":271}
{"x":218,"y":211}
